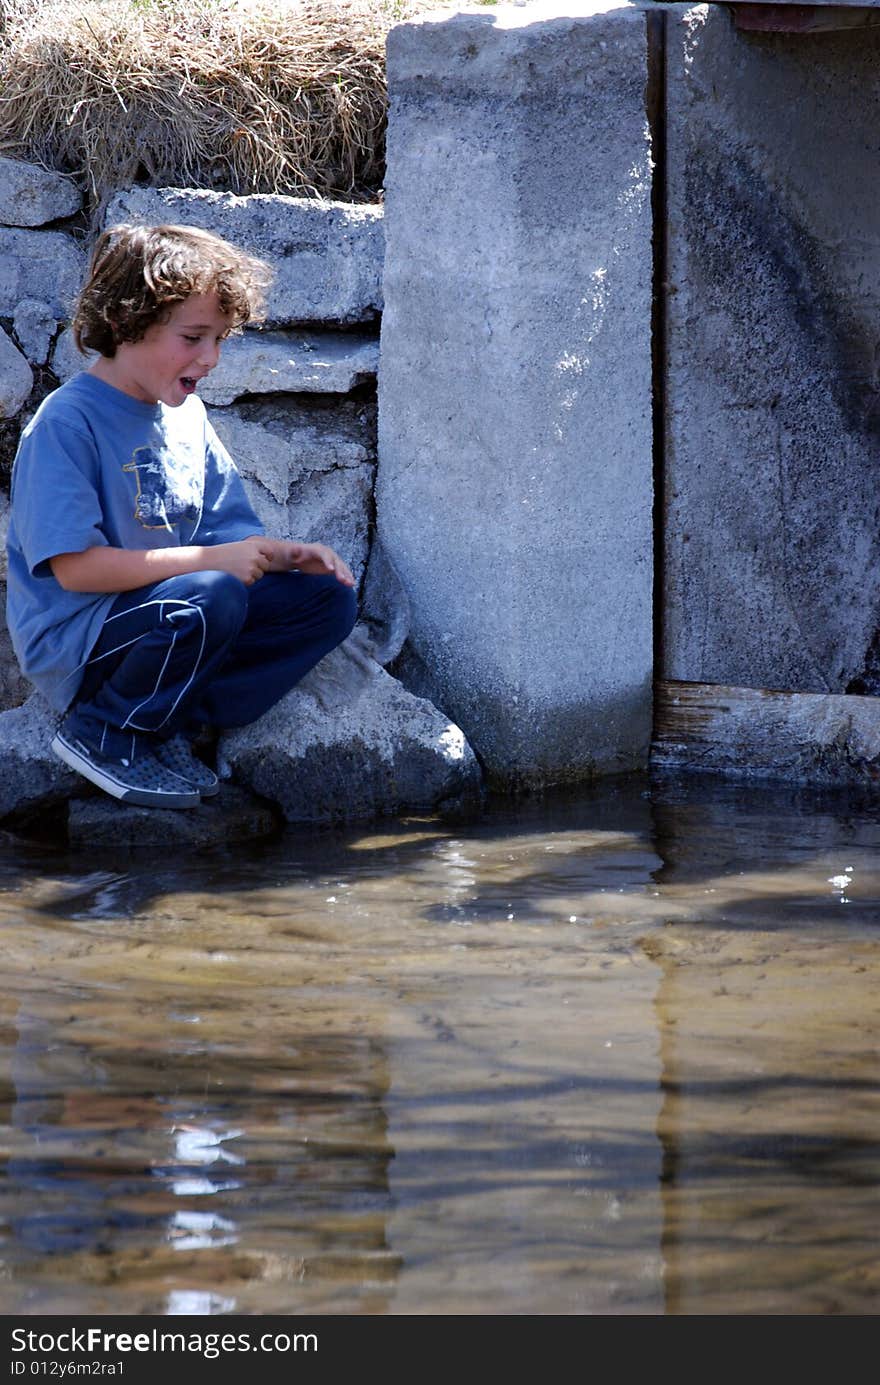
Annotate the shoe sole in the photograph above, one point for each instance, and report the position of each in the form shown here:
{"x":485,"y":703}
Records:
{"x":104,"y":779}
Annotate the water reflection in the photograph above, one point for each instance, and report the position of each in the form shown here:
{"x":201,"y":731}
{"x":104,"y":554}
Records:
{"x":610,"y":1055}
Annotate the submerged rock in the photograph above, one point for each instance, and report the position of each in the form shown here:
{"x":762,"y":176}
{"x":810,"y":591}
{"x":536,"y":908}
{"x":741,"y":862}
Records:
{"x":349,"y":743}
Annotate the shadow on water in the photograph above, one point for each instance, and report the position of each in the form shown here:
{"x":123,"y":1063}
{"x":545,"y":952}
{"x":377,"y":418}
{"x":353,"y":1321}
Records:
{"x":611,"y":1053}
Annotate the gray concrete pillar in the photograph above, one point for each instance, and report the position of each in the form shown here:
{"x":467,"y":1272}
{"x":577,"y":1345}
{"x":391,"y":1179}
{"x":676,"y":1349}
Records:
{"x":515,"y":477}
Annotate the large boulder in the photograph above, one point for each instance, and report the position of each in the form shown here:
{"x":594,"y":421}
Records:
{"x":14,"y":687}
{"x":67,"y":359}
{"x":32,"y":196}
{"x":327,"y":256}
{"x":349,"y":743}
{"x":31,"y":774}
{"x":266,"y":363}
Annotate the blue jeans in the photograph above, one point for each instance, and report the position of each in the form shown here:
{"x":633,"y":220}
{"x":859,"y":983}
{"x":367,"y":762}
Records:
{"x":204,"y":649}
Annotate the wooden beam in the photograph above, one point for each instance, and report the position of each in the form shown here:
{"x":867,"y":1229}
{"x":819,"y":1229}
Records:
{"x":806,"y":738}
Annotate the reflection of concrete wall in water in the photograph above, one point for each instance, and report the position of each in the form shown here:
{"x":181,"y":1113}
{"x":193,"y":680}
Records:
{"x":766,"y":1017}
{"x":772,"y":537}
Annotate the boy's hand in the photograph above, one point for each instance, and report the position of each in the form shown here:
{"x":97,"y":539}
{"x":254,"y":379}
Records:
{"x":317,"y":559}
{"x":246,"y":559}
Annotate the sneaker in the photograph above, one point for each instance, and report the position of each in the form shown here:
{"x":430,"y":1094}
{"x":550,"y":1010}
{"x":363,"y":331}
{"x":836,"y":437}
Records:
{"x":177,"y":755}
{"x":141,"y":781}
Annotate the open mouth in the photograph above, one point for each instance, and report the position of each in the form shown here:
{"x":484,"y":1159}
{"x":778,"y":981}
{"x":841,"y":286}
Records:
{"x":188,"y":383}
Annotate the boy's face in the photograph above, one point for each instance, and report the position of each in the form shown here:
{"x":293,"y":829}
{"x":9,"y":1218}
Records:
{"x":172,"y":356}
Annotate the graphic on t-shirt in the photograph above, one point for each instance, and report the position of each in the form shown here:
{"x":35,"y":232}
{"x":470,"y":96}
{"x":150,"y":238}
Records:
{"x":168,"y":490}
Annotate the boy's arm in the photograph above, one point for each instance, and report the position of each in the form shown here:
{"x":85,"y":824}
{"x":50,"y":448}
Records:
{"x":106,"y":569}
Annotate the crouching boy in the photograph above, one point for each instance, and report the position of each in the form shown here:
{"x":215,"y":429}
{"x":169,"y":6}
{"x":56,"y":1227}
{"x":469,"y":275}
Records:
{"x":144,"y":599}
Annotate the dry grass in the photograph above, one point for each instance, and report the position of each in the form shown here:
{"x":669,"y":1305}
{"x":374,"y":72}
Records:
{"x":239,"y":95}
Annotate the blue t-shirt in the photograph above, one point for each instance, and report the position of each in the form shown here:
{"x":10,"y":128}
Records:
{"x":95,"y":466}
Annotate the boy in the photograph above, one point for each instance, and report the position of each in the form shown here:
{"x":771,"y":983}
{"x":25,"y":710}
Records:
{"x":144,"y":599}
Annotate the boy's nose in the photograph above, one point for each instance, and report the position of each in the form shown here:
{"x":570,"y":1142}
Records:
{"x":209,"y":354}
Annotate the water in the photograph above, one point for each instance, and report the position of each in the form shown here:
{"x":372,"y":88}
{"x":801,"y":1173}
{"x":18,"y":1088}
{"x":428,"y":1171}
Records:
{"x":608,"y":1055}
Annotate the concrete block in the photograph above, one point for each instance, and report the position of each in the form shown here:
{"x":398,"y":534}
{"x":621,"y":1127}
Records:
{"x":772,"y":513}
{"x":327,"y":255}
{"x":514,"y":490}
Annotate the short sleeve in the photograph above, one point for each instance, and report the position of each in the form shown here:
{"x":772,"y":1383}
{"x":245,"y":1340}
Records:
{"x":55,"y":495}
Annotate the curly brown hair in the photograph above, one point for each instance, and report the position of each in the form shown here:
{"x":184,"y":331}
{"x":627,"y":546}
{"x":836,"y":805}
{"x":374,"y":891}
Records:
{"x":139,"y":273}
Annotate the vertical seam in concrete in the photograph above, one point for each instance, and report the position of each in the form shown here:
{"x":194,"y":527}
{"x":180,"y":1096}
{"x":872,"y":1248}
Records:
{"x":655,"y":101}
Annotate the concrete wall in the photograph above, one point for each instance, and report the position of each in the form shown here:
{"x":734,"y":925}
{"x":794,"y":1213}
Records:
{"x":514,"y":488}
{"x":772,"y":525}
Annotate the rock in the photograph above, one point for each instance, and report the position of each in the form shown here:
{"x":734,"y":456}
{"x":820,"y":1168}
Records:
{"x":281,"y":441}
{"x":330,"y":507}
{"x":14,"y":687}
{"x":31,"y":196}
{"x":515,"y":488}
{"x":67,"y":359}
{"x":308,"y":477}
{"x":46,"y":265}
{"x":385,"y":608}
{"x":327,"y":255}
{"x":31,"y":775}
{"x":294,"y":362}
{"x":348,"y":744}
{"x":233,"y":816}
{"x":5,"y":511}
{"x":266,"y":363}
{"x":34,"y":325}
{"x":16,"y":377}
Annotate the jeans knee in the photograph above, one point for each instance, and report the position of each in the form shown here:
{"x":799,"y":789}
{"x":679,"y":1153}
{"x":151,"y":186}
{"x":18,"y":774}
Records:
{"x":342,"y":610}
{"x":223,"y":600}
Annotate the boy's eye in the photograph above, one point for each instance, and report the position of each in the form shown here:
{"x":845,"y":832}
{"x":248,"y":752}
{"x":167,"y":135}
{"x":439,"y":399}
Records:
{"x":193,"y":340}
